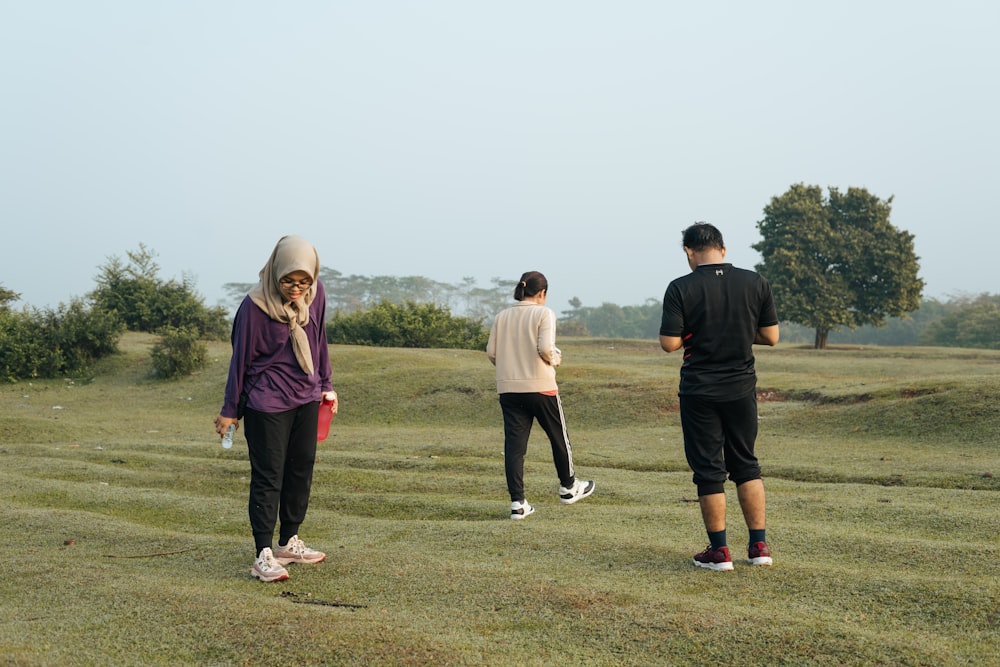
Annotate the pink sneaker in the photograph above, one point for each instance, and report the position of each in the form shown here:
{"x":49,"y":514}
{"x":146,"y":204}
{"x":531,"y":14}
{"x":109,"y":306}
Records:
{"x":296,"y":551}
{"x":267,"y":569}
{"x":714,"y":559}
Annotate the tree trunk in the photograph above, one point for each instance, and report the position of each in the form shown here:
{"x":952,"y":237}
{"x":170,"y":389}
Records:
{"x":821,"y":335}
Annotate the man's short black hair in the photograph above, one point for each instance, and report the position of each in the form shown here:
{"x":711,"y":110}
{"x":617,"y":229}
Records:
{"x":702,"y":236}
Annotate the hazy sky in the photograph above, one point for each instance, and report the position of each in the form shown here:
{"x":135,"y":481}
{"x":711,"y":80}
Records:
{"x":460,"y":138}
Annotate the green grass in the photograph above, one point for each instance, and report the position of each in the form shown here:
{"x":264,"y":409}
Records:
{"x":127,"y":538}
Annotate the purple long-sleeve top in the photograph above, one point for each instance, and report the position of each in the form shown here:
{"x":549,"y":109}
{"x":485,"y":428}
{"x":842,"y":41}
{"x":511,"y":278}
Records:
{"x":264,"y":365}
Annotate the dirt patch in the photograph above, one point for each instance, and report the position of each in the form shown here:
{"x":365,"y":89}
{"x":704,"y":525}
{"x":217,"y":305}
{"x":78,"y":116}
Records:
{"x":809,"y":396}
{"x":769,"y":396}
{"x":916,"y":393}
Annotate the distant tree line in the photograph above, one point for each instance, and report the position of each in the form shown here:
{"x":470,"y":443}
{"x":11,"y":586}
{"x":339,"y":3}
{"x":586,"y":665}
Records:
{"x":354,"y":293}
{"x":962,"y":321}
{"x":45,"y":343}
{"x":409,"y":311}
{"x":610,"y":320}
{"x":839,"y":270}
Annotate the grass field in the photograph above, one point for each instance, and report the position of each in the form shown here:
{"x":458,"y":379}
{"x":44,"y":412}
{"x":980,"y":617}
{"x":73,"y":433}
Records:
{"x":128,"y":542}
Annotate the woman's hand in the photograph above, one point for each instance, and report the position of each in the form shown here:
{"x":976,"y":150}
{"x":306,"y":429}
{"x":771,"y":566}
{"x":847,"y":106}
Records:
{"x":331,"y":397}
{"x":222,"y":423}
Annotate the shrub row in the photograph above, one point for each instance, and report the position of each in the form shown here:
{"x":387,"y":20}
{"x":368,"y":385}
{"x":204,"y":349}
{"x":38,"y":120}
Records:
{"x":410,"y":324}
{"x":48,"y":343}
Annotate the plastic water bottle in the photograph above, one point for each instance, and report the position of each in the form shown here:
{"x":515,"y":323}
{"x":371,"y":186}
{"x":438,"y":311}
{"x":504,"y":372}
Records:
{"x":227,"y":438}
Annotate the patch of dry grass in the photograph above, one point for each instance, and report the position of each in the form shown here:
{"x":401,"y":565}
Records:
{"x":129,"y":541}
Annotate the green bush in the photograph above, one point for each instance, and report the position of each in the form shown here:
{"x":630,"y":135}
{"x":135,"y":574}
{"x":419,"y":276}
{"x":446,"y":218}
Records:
{"x":410,"y":324}
{"x":179,"y":352}
{"x":46,"y":343}
{"x":17,"y":347}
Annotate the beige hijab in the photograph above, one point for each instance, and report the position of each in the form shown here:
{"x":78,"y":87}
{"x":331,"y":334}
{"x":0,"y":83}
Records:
{"x":292,"y":253}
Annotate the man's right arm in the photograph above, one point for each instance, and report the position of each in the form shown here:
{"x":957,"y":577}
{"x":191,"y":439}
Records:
{"x":670,"y":343}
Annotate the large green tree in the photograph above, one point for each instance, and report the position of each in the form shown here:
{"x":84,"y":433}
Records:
{"x":837,"y":261}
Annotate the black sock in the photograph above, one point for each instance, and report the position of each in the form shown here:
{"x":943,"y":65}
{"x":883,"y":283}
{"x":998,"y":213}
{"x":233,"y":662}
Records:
{"x":757,"y":536}
{"x":286,"y":533}
{"x":262,"y":540}
{"x":718,"y":538}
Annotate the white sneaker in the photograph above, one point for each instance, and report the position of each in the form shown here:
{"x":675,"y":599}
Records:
{"x":296,"y":551}
{"x":267,"y":569}
{"x":578,"y":491}
{"x":519,"y":510}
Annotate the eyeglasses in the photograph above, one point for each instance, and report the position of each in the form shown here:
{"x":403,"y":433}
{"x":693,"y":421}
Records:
{"x":295,"y":284}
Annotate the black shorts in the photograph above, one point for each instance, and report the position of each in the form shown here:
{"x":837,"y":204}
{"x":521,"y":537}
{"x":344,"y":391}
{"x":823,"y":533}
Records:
{"x":719,"y":439}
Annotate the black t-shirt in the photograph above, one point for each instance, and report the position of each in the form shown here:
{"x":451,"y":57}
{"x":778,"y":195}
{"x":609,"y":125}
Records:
{"x":716,"y":310}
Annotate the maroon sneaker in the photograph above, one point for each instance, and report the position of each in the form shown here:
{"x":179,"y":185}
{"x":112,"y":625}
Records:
{"x":759,"y":554}
{"x":714,"y":559}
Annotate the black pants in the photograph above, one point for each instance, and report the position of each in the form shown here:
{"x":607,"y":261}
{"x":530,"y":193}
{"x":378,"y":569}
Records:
{"x":519,"y":413}
{"x":282,"y":449}
{"x":719,"y":438}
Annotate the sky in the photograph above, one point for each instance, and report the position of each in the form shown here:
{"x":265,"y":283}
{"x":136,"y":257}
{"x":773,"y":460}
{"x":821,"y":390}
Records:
{"x":462,"y":139}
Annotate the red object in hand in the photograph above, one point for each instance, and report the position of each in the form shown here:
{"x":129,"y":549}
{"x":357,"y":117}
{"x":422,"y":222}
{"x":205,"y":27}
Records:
{"x":325,"y":415}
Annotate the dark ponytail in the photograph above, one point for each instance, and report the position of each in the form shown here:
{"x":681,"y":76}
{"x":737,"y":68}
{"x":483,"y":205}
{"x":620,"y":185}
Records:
{"x":530,"y":284}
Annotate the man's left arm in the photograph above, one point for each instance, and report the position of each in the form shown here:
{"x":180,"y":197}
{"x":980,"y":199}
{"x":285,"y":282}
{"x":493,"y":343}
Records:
{"x":765,"y":336}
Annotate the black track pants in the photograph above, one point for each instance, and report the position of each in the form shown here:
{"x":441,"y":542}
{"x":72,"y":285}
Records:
{"x":282,"y":448}
{"x":519,"y":413}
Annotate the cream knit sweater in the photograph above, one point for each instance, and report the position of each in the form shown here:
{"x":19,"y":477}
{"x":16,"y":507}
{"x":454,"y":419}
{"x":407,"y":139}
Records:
{"x":522,"y":346}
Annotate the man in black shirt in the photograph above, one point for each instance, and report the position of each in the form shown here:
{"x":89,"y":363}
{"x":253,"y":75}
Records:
{"x":717,"y":313}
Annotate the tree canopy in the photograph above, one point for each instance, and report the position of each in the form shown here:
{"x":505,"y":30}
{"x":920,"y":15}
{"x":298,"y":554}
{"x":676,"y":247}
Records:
{"x":145,"y":302}
{"x":837,"y":261}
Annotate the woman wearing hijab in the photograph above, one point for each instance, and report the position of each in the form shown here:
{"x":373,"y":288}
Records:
{"x":522,"y":346}
{"x":279,"y":373}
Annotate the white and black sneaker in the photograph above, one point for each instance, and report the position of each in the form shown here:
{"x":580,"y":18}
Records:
{"x":578,"y":491}
{"x":520,"y":510}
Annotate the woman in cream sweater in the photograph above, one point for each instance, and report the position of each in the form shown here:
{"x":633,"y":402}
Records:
{"x":522,"y":346}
